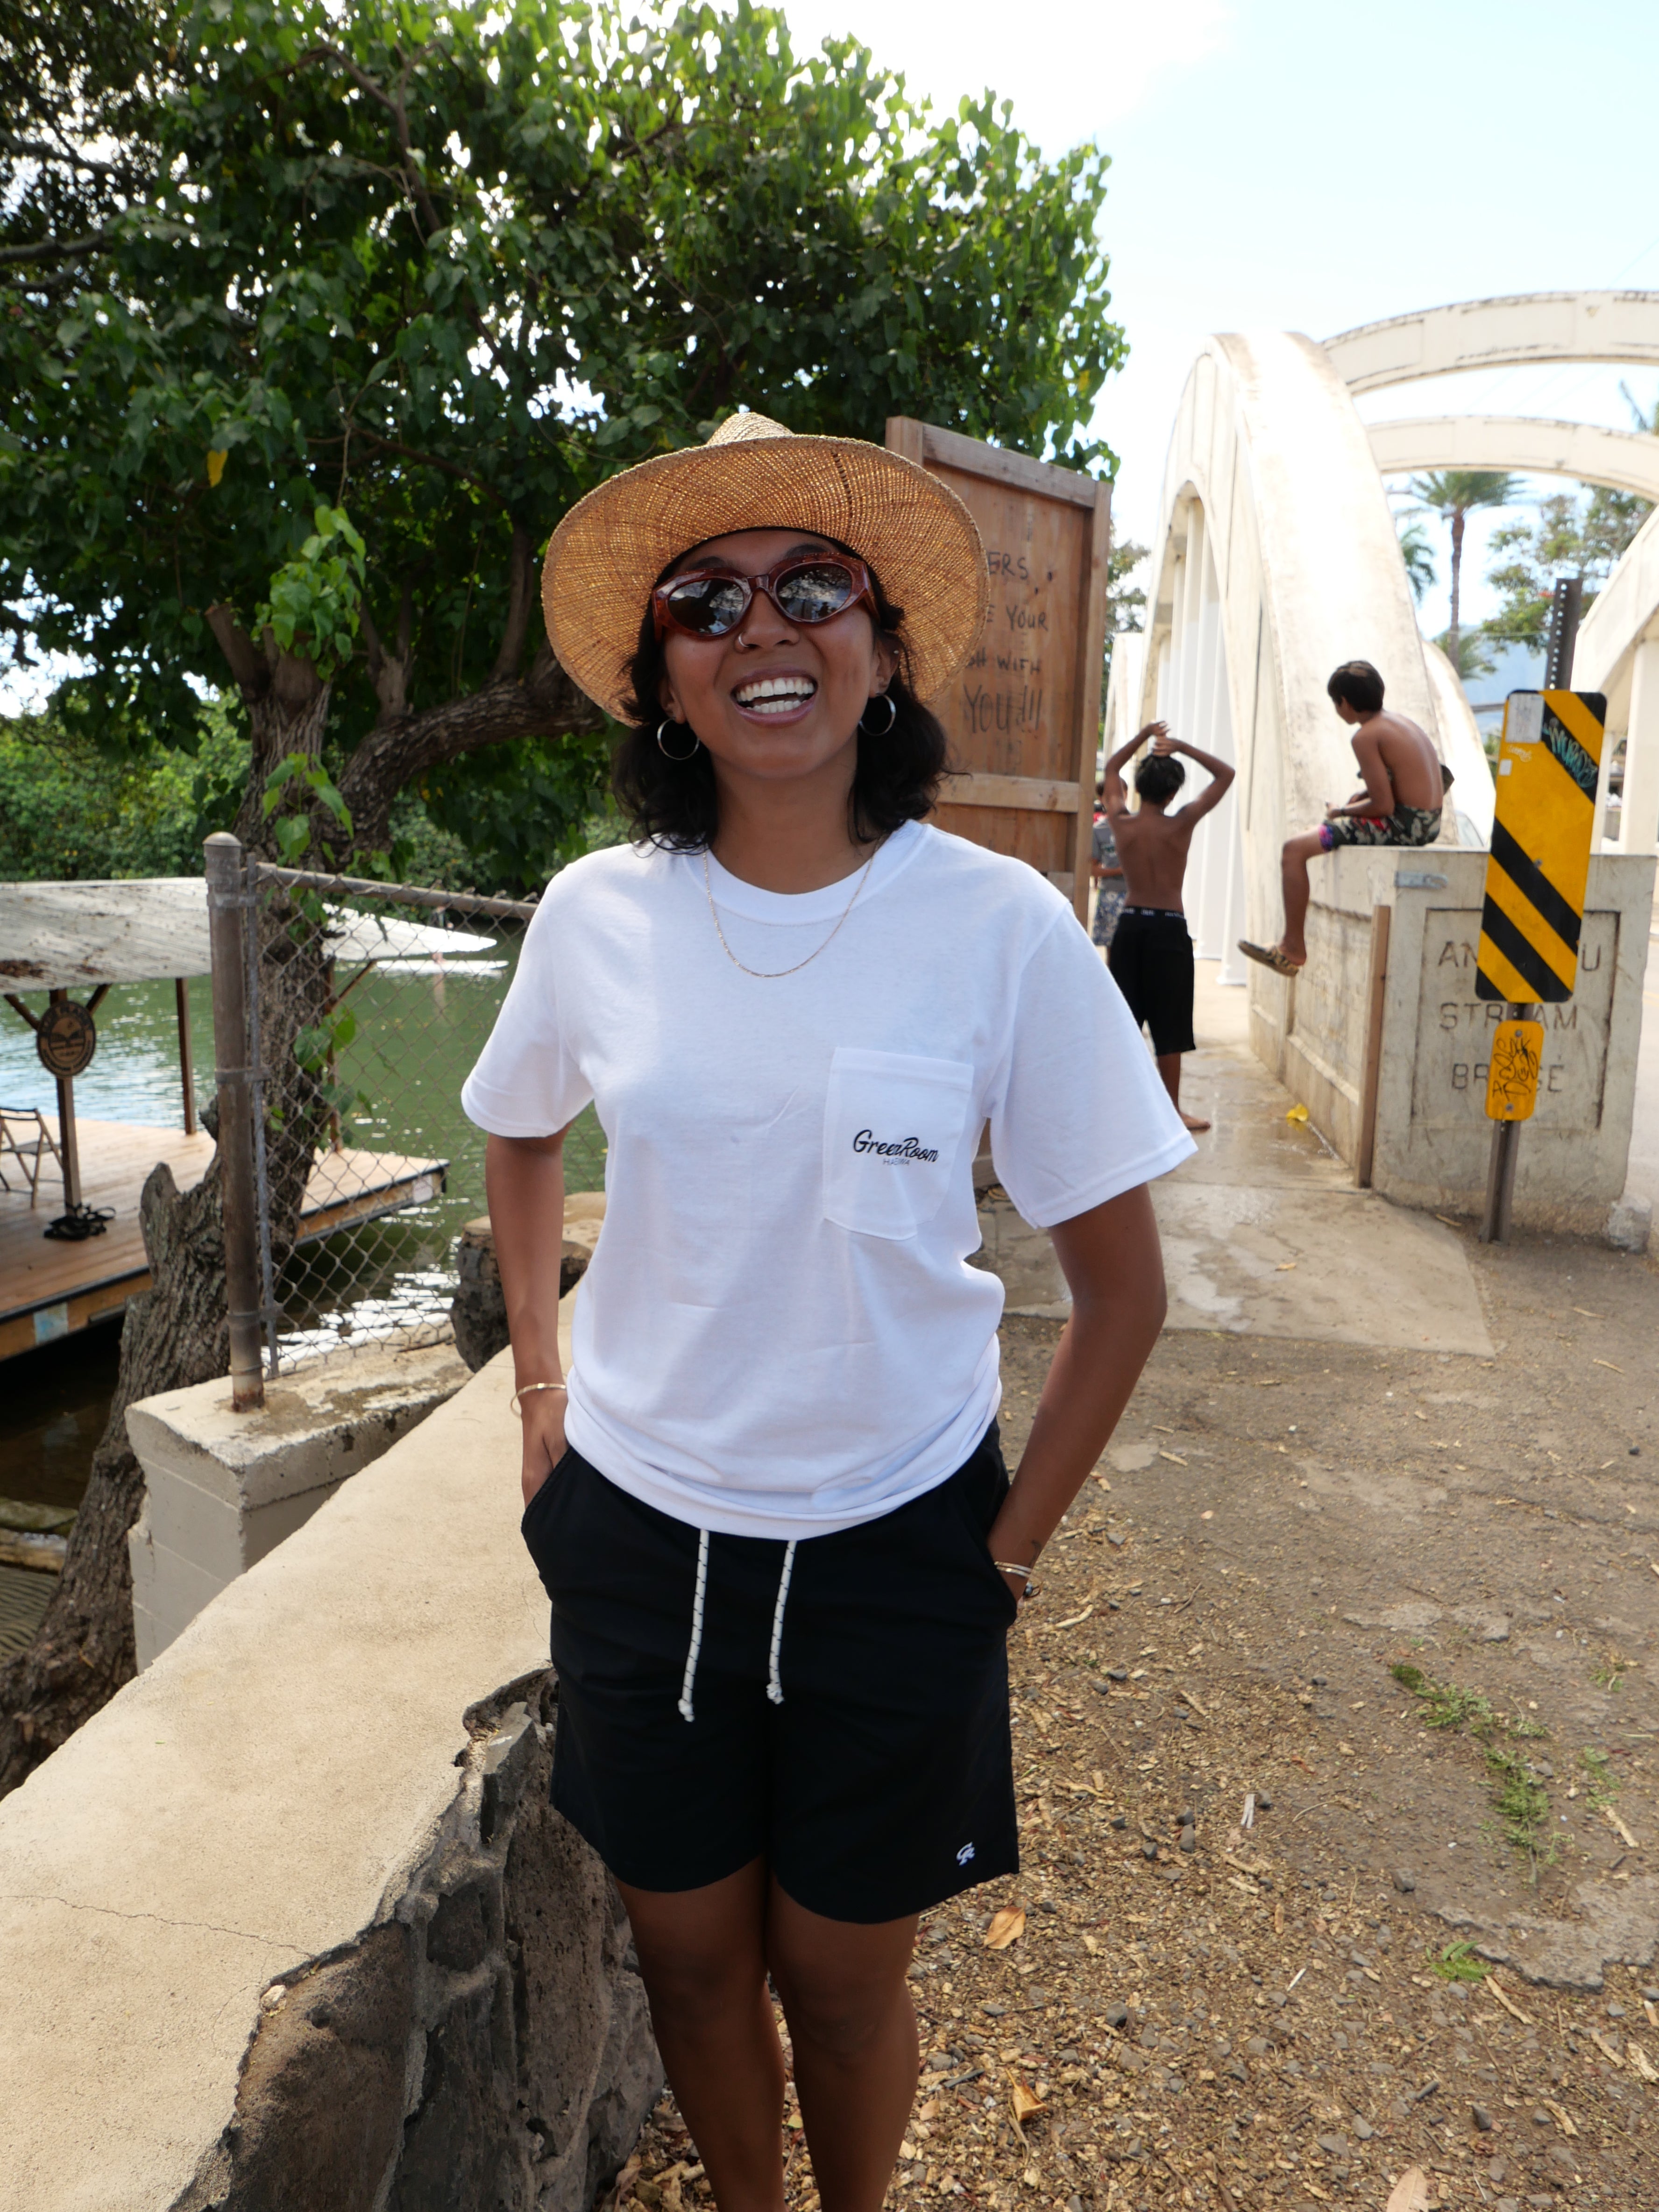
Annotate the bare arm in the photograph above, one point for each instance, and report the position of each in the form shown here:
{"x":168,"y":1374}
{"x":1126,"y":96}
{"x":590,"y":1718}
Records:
{"x":1377,"y":798}
{"x":524,"y":1181}
{"x":1114,"y":1266}
{"x":1220,"y":775}
{"x":1117,"y":799}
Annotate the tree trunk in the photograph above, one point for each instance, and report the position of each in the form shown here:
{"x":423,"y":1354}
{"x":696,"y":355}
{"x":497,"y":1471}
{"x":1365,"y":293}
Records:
{"x":1454,"y":632}
{"x":173,"y":1335}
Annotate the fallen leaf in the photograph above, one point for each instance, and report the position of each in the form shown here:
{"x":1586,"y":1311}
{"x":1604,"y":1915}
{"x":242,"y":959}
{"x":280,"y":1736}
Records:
{"x":1089,"y":1945}
{"x":1639,"y":2063}
{"x":1025,"y":2103}
{"x":1562,"y":2119}
{"x":1495,"y":1988}
{"x":1412,"y":2192}
{"x":1609,"y":2051}
{"x":1006,"y":1927}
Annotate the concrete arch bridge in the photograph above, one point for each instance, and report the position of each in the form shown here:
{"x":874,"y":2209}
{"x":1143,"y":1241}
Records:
{"x":1276,"y":557}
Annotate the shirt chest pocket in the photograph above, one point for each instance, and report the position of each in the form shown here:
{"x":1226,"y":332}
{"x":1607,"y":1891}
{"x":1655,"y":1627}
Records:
{"x":893,"y":1124}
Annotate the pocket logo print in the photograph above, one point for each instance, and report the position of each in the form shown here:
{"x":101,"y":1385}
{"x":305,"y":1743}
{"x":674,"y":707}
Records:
{"x":905,"y":1148}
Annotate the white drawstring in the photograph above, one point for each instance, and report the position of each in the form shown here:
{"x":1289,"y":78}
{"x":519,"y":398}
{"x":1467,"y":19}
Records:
{"x":686,"y":1711}
{"x":773,"y":1687}
{"x":774,"y":1683}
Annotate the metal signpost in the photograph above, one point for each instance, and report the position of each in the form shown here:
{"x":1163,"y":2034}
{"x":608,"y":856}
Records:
{"x":1548,"y":766}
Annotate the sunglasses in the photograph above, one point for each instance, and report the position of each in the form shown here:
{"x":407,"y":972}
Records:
{"x":814,"y":588}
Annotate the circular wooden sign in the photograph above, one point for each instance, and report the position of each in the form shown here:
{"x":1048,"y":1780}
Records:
{"x":66,"y":1039}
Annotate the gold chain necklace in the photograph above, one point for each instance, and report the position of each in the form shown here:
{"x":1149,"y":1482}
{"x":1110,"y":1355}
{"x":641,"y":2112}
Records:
{"x":772,"y":974}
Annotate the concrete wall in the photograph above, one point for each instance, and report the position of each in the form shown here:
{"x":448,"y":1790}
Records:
{"x":1432,"y":1134}
{"x":289,"y":1924}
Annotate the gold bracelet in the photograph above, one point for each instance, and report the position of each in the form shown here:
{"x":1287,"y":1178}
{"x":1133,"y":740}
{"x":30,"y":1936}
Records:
{"x":525,"y":1391}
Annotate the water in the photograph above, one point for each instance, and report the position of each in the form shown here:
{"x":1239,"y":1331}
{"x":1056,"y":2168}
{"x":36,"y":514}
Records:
{"x":420,"y":1026}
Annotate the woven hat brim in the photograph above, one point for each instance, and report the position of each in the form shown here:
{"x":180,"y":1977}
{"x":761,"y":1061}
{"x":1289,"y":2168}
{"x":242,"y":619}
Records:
{"x":908,"y":528}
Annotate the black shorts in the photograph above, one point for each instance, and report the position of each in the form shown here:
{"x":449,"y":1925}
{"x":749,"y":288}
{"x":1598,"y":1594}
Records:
{"x":883,"y":1781}
{"x":1151,"y":963}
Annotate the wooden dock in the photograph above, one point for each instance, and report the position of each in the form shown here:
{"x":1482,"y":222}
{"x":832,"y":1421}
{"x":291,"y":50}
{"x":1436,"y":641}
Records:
{"x":49,"y":1290}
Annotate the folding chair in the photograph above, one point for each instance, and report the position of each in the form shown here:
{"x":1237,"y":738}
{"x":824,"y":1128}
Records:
{"x":25,"y":1138}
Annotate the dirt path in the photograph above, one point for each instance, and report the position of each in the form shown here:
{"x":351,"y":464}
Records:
{"x":1257,"y":2022}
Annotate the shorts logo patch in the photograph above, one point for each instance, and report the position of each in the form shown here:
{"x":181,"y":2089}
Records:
{"x":964,"y":1855}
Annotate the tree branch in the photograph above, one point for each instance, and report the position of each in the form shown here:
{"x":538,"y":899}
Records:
{"x":424,"y":460}
{"x":520,"y":593}
{"x":544,"y":703}
{"x":54,"y":249}
{"x":250,"y":671}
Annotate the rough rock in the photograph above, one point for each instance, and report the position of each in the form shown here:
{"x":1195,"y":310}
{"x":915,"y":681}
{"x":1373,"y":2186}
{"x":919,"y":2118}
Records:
{"x":487,"y":2043}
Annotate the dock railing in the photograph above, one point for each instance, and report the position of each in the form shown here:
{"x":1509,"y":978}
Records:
{"x":362,"y":1006}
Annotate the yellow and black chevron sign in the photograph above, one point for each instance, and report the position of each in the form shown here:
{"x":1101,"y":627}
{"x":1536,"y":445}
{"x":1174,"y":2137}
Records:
{"x":1547,"y":767}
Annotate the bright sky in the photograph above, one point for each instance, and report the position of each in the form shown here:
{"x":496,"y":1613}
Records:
{"x":1312,"y":164}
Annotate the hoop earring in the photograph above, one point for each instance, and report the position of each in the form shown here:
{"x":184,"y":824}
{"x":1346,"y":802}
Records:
{"x":892,"y":717}
{"x":669,"y":723}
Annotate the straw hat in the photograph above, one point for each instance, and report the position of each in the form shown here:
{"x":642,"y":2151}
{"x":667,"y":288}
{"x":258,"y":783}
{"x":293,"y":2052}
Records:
{"x":754,"y":475}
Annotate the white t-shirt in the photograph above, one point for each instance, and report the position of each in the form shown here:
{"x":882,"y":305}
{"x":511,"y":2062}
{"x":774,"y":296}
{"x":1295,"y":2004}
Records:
{"x":780,"y":1334}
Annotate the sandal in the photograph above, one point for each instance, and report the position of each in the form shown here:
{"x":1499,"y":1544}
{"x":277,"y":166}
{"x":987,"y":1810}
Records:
{"x":1271,"y":957}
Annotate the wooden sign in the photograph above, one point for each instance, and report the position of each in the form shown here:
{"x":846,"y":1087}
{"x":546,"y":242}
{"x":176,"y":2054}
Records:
{"x":1024,"y":716}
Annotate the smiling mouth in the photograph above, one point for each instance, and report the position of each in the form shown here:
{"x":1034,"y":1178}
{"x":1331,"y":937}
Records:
{"x":774,"y":694}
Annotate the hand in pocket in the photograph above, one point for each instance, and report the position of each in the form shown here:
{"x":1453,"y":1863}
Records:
{"x":544,"y":1439}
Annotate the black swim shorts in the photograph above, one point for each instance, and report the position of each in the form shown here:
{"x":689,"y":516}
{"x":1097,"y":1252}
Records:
{"x":838,"y":1708}
{"x":1151,"y":963}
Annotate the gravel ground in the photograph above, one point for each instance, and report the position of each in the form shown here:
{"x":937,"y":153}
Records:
{"x":1258,"y":2015}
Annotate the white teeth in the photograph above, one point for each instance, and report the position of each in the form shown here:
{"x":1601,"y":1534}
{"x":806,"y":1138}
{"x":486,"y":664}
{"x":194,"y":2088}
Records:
{"x":774,"y":694}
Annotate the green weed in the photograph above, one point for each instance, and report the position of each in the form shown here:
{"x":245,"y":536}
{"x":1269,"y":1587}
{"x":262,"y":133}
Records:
{"x":1458,"y":1963}
{"x":1520,"y":1798}
{"x":1610,"y":1670}
{"x":1603,"y":1782}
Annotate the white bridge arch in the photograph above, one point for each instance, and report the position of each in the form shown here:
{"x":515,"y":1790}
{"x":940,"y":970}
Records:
{"x":1275,"y":558}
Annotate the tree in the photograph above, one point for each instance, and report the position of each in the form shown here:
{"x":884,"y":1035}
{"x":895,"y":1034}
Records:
{"x":1453,"y":494}
{"x":1419,"y":558}
{"x":1570,"y":536}
{"x":1469,"y":653}
{"x":299,"y":396}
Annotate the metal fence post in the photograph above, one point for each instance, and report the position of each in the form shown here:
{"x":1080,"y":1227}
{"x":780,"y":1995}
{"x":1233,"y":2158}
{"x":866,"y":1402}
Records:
{"x":227,"y":919}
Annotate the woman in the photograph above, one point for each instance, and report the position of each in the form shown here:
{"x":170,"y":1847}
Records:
{"x":1107,"y":871}
{"x":768,"y":1503}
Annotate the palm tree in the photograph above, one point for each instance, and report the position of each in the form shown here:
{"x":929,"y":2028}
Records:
{"x":1420,"y":571}
{"x":1453,"y":495}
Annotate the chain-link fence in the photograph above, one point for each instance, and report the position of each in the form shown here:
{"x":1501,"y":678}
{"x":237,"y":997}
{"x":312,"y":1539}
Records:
{"x":365,"y":1004}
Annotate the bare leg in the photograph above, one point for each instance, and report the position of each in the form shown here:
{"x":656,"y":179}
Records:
{"x":1293,"y":861}
{"x":703,"y":1959}
{"x":1169,"y":1067}
{"x":853,"y":2030}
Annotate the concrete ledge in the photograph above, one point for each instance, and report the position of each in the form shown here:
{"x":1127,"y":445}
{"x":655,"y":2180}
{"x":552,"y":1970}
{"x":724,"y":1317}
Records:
{"x":293,"y":1783}
{"x":223,"y":1489}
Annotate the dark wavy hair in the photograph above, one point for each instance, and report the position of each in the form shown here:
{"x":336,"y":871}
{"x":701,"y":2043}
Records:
{"x":674,"y":803}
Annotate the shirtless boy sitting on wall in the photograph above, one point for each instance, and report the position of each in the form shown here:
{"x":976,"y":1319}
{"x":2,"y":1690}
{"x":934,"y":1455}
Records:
{"x":1400,"y":804}
{"x":1151,"y":954}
